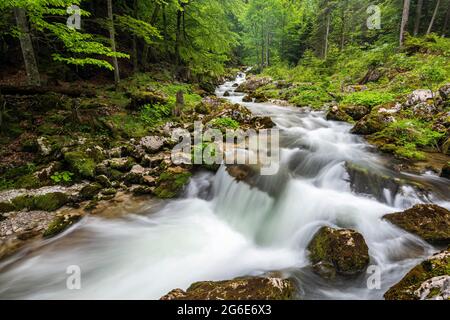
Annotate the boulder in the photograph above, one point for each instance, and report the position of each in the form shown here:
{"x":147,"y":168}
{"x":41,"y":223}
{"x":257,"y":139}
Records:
{"x":142,"y":98}
{"x":336,"y":113}
{"x":425,"y":111}
{"x":247,"y":98}
{"x":373,"y":122}
{"x":121,"y":164}
{"x":355,"y":88}
{"x":90,"y":191}
{"x":60,"y":224}
{"x":430,"y":280}
{"x":227,"y":94}
{"x":103,"y":180}
{"x":44,"y":146}
{"x":80,"y":163}
{"x":152,"y":144}
{"x":338,"y":251}
{"x":253,"y":83}
{"x":444,"y":92}
{"x":419,"y":96}
{"x":356,"y":112}
{"x":445,"y":173}
{"x":171,"y":182}
{"x":251,"y":288}
{"x":428,"y":221}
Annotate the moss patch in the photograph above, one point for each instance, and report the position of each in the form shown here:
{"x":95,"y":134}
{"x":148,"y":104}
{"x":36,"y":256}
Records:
{"x":60,"y":224}
{"x":170,"y":183}
{"x":80,"y":163}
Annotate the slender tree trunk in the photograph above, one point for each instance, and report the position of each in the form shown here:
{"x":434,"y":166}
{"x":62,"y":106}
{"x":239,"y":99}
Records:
{"x":146,"y":49}
{"x":112,"y":36}
{"x":327,"y":34}
{"x":262,"y":47}
{"x":177,"y":111}
{"x":447,"y":18}
{"x":430,"y":27}
{"x":165,"y":35}
{"x":178,"y":37}
{"x":26,"y":44}
{"x":405,"y":16}
{"x":418,"y":17}
{"x":343,"y":22}
{"x":134,"y":40}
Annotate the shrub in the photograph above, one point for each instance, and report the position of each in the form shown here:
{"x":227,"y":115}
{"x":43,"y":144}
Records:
{"x":368,"y":98}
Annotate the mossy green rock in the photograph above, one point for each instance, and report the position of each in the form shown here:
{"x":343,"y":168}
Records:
{"x":90,"y":191}
{"x":342,"y":251}
{"x":425,"y":281}
{"x":50,"y":201}
{"x":430,"y":222}
{"x":23,"y":202}
{"x":372,"y":123}
{"x":239,"y":289}
{"x":80,"y":163}
{"x":60,"y":224}
{"x":171,"y":182}
{"x":336,"y":113}
{"x":6,"y":207}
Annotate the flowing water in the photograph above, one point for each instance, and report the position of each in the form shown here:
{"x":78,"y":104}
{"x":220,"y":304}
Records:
{"x":222,"y":229}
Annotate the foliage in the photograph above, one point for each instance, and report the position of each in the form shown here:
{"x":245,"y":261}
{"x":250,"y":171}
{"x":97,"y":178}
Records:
{"x":367,"y":98}
{"x":64,"y":177}
{"x":154,"y":114}
{"x":225,"y":123}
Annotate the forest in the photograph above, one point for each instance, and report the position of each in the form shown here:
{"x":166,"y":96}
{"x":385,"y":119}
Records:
{"x":93,"y":92}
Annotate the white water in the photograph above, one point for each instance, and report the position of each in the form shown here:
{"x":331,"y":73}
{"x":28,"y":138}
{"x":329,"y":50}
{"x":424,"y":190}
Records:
{"x":222,"y":229}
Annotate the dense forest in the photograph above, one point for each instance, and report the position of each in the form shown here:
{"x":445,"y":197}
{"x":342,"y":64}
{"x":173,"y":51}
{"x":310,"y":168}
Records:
{"x":91,"y":92}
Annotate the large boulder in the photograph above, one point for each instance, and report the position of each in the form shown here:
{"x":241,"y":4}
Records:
{"x":252,"y":288}
{"x":141,"y":98}
{"x":430,"y":280}
{"x":428,"y":221}
{"x":152,"y":144}
{"x":374,"y":122}
{"x":336,"y":113}
{"x":338,"y":251}
{"x":253,"y":83}
{"x":419,"y":96}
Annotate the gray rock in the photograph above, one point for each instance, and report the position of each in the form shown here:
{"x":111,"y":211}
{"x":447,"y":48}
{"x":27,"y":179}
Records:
{"x":152,"y":144}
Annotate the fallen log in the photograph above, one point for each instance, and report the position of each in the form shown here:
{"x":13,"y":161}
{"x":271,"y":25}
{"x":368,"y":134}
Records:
{"x":31,"y":90}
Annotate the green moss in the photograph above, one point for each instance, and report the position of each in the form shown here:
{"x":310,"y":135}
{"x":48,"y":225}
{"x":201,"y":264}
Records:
{"x":23,"y":202}
{"x":433,"y":267}
{"x":80,"y":163}
{"x":170,"y":184}
{"x":90,"y":191}
{"x":6,"y":207}
{"x":60,"y":224}
{"x":50,"y":201}
{"x":368,"y":98}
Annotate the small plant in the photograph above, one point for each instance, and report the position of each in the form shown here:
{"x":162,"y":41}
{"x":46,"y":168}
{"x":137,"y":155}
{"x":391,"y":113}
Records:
{"x":225,"y":123}
{"x":64,"y":177}
{"x":153,"y":114}
{"x":433,"y":75}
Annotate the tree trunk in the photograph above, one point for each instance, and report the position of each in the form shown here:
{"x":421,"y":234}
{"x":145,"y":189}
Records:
{"x":26,"y":44}
{"x":112,"y":36}
{"x":327,"y":34}
{"x":430,"y":27}
{"x":343,"y":22}
{"x":146,"y":49}
{"x":178,"y":37}
{"x":179,"y":104}
{"x":447,"y":18}
{"x":134,"y":40}
{"x":405,"y":16}
{"x":418,"y":17}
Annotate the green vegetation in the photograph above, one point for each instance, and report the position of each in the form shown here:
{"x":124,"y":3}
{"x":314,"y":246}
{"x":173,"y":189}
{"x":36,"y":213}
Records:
{"x":64,"y":177}
{"x":225,"y":123}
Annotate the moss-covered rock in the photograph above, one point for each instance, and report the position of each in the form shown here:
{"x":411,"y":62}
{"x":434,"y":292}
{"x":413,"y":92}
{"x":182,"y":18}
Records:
{"x":60,"y":224}
{"x":251,"y":288}
{"x":171,"y":182}
{"x":90,"y":191}
{"x":80,"y":163}
{"x":23,"y":202}
{"x":122,"y":164}
{"x":341,"y":251}
{"x":430,"y":222}
{"x":141,"y":98}
{"x":428,"y":280}
{"x":336,"y":113}
{"x":103,"y":180}
{"x":50,"y":201}
{"x":6,"y":207}
{"x":373,"y":122}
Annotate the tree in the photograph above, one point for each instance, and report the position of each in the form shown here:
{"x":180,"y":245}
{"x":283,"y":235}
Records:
{"x":418,"y":17}
{"x":29,"y":58}
{"x":113,"y":41}
{"x":404,"y":23}
{"x":430,"y":27}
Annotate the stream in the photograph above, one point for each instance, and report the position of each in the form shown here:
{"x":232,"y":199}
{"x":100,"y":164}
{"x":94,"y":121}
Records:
{"x":221,"y":229}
